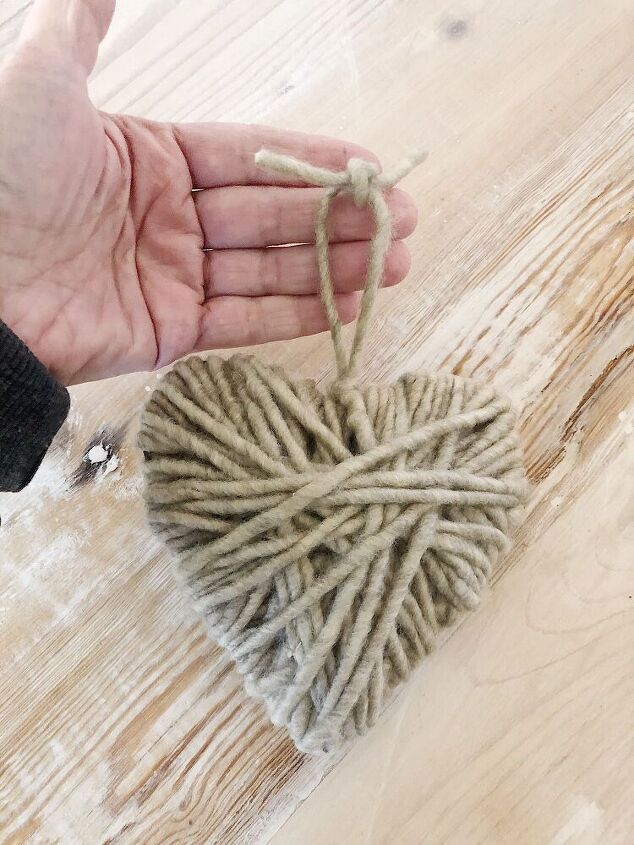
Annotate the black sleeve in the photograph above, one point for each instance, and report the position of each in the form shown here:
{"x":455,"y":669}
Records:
{"x":33,"y":406}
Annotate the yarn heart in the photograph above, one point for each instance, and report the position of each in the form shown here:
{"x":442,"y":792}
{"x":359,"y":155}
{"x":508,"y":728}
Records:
{"x":326,"y":537}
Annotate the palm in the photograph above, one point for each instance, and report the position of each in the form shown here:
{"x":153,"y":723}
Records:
{"x":102,"y":238}
{"x":111,"y":269}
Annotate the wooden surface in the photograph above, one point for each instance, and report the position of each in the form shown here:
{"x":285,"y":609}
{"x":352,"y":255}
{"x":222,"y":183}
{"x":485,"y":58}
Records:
{"x":120,"y":722}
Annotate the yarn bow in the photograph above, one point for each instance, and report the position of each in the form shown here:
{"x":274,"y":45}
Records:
{"x":326,"y":537}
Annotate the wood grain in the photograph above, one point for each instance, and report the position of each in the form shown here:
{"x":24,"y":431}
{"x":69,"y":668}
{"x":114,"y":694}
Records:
{"x":120,"y":721}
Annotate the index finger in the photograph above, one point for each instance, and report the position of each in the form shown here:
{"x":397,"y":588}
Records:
{"x":222,"y":154}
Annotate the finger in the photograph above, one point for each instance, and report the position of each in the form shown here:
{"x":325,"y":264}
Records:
{"x":293,"y":269}
{"x":68,"y":29}
{"x":222,"y":153}
{"x":245,"y":321}
{"x":247,"y":217}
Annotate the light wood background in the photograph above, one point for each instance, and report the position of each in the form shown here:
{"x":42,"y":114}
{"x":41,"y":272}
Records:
{"x":120,"y":722}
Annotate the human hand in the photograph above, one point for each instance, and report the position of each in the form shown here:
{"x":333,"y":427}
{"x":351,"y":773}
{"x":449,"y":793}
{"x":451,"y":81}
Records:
{"x":125,"y":243}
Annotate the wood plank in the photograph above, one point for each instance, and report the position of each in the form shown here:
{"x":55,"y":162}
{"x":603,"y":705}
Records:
{"x":120,"y":721}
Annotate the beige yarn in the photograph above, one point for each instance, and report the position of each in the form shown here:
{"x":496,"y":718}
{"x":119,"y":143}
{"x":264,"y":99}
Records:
{"x":326,"y":537}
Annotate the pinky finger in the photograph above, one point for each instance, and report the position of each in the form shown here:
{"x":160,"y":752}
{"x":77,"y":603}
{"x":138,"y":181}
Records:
{"x":246,"y":321}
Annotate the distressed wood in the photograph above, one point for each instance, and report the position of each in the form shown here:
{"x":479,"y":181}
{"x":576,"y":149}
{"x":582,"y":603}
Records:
{"x":120,"y":722}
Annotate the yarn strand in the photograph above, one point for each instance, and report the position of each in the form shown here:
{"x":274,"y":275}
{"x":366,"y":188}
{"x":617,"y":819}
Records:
{"x":366,"y":184}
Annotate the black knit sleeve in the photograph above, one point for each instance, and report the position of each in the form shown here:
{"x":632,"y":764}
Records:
{"x":33,"y":406}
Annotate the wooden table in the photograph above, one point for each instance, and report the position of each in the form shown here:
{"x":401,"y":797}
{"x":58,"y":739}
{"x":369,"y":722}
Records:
{"x":120,"y":722}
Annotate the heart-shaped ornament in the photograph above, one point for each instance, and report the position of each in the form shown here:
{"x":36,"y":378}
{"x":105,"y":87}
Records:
{"x":326,"y":537}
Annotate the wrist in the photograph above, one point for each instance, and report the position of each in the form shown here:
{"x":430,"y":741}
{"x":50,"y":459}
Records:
{"x":33,"y":406}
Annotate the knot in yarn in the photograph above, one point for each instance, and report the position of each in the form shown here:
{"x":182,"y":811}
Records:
{"x":362,"y":175}
{"x":327,"y":536}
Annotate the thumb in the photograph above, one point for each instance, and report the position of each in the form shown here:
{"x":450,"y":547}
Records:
{"x":70,"y":30}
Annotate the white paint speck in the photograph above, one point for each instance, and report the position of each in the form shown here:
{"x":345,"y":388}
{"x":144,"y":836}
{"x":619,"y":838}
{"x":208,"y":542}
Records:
{"x":112,"y":465}
{"x":61,"y":548}
{"x":147,"y":388}
{"x":97,"y":455}
{"x":130,"y":488}
{"x":622,"y":416}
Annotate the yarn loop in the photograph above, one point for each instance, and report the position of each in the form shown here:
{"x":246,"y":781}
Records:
{"x":327,"y":536}
{"x":366,"y":184}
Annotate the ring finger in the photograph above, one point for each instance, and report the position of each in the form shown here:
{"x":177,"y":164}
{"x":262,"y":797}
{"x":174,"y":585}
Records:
{"x":259,"y":216}
{"x":293,"y":269}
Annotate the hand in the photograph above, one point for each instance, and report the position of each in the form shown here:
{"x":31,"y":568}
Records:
{"x":125,"y":244}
